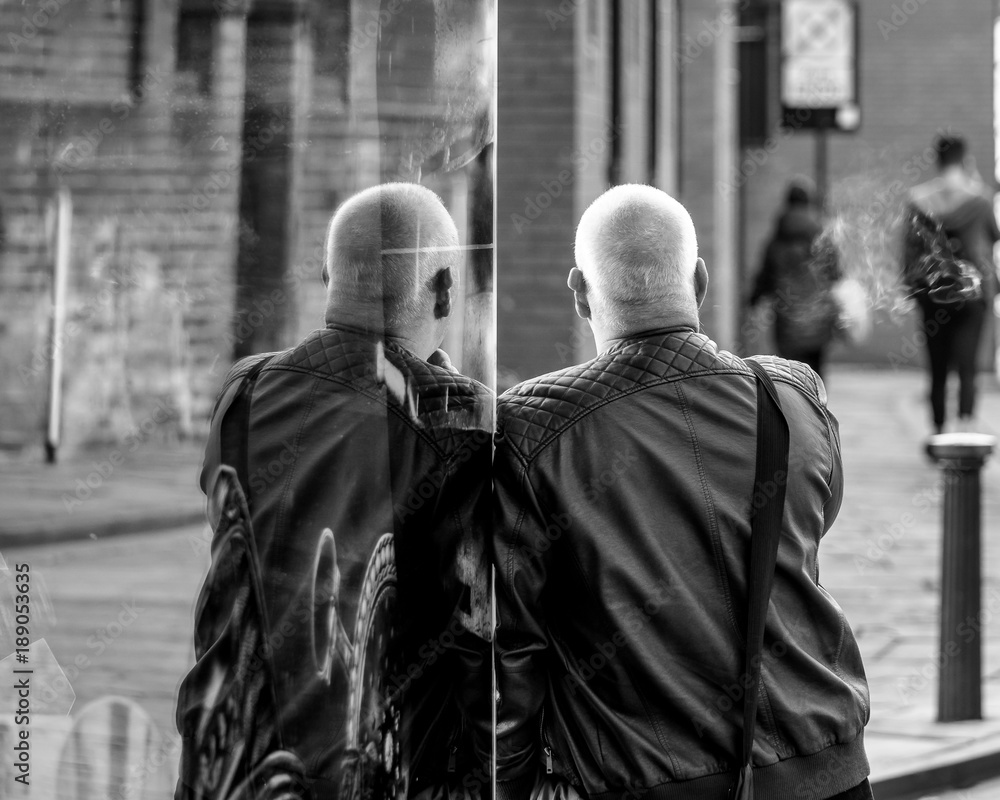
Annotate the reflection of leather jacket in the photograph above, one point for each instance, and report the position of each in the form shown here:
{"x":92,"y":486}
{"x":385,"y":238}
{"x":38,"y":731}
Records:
{"x":624,"y":492}
{"x":362,"y":438}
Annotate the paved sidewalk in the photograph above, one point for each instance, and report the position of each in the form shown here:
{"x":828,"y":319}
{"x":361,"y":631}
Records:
{"x":152,"y":488}
{"x":881,"y":560}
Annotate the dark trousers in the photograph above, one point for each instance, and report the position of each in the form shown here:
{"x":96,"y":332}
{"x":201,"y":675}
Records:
{"x":863,"y":791}
{"x":811,"y":358}
{"x":814,"y":359}
{"x":952,"y":343}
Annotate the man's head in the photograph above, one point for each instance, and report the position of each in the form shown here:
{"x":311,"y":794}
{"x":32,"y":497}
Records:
{"x":637,"y":264}
{"x":391,"y":259}
{"x":951,"y":151}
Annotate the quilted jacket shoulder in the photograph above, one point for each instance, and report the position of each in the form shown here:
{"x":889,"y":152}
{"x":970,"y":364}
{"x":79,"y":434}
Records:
{"x":241,"y":368}
{"x":533,"y":413}
{"x":438,"y":402}
{"x":796,"y":374}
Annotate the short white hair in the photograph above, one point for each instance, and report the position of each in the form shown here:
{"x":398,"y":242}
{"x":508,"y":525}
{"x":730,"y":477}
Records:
{"x":636,"y":247}
{"x":385,"y":245}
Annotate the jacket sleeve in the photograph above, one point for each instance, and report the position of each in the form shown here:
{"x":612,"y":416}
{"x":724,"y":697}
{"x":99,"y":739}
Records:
{"x":520,"y":553}
{"x":836,"y":479}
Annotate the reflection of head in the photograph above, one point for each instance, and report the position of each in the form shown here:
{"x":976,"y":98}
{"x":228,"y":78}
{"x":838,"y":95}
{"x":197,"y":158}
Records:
{"x":385,"y":251}
{"x":637,"y":250}
{"x":950,"y":151}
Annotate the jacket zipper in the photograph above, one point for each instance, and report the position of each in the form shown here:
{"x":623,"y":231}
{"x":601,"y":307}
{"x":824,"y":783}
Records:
{"x":453,"y":746}
{"x":546,"y":748}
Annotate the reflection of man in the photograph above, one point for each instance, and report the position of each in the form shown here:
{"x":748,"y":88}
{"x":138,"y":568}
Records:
{"x":363,"y":429}
{"x":958,"y":200}
{"x":624,"y":490}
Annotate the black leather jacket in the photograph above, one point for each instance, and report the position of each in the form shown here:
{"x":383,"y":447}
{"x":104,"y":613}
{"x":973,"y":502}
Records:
{"x":359,"y":439}
{"x":623,"y":501}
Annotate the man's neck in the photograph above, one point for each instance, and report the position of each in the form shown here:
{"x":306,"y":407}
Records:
{"x":417,"y":342}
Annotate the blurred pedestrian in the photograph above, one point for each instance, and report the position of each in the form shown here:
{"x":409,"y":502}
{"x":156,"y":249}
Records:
{"x":948,"y":268}
{"x":798,"y":274}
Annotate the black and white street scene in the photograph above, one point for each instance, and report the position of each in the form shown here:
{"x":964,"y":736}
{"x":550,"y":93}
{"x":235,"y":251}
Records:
{"x":516,"y":399}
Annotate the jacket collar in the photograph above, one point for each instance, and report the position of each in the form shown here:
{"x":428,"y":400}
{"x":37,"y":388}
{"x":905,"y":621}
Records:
{"x":616,"y":345}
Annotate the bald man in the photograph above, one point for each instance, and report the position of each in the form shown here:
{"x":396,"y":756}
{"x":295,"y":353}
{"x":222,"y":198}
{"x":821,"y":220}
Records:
{"x":364,"y":459}
{"x":623,"y":493}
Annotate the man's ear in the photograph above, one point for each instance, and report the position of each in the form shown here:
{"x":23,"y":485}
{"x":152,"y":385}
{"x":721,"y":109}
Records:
{"x":442,"y":284}
{"x":578,"y":284}
{"x":700,"y":282}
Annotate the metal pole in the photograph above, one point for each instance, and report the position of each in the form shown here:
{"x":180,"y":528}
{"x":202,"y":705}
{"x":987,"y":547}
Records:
{"x":961,"y":457}
{"x":821,"y":167}
{"x":60,"y":273}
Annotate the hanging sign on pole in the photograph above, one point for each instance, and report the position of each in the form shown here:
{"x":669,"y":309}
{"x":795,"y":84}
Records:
{"x":819,"y":69}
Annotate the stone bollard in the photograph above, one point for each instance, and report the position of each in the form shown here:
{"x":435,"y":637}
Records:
{"x":961,"y":457}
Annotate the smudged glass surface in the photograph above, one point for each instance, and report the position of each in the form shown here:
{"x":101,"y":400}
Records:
{"x":170,"y":170}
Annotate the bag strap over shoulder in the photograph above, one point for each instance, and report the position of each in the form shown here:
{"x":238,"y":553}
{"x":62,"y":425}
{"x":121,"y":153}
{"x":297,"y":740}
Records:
{"x":765,"y":532}
{"x":236,"y":426}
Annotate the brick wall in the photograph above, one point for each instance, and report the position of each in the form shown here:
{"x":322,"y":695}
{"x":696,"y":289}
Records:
{"x":596,"y":133}
{"x":704,"y":51}
{"x":536,"y":211}
{"x":153,"y":187}
{"x":557,"y":138}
